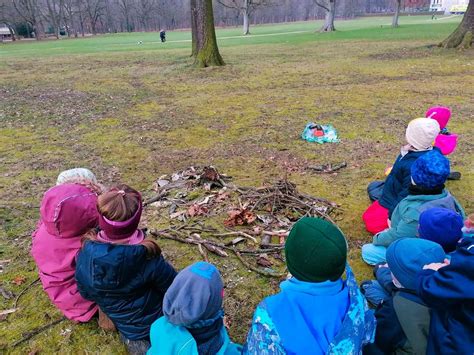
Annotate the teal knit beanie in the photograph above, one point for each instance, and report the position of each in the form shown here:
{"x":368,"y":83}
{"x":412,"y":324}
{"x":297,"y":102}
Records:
{"x":316,"y":250}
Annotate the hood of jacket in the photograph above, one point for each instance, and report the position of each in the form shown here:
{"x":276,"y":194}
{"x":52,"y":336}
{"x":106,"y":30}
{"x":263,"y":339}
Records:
{"x":69,"y":210}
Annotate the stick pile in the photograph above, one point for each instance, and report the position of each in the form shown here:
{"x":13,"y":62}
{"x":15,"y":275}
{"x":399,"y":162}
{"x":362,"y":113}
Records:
{"x":259,"y":218}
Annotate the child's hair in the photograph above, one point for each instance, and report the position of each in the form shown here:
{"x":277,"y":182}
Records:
{"x":119,"y":203}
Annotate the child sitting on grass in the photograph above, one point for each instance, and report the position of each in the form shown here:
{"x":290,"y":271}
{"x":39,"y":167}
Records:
{"x":193,"y":317}
{"x":428,"y":174}
{"x":67,"y":212}
{"x":403,"y":319}
{"x":440,"y":225}
{"x":385,"y":195}
{"x":448,"y":289}
{"x":121,"y":271}
{"x":316,"y":311}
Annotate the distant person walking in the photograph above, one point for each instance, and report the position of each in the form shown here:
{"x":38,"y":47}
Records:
{"x":163,"y":36}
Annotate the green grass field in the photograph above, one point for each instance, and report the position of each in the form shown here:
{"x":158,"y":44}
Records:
{"x":133,"y":112}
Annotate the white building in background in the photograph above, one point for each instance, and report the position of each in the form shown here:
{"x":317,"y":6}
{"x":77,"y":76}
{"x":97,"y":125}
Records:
{"x":449,"y":6}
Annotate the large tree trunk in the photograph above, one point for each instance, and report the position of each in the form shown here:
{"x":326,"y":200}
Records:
{"x":245,"y":14}
{"x":462,"y":37}
{"x":398,"y":4}
{"x":329,"y":20}
{"x":204,"y":46}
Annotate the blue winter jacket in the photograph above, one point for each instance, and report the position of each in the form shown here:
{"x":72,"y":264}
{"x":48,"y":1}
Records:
{"x":398,"y":181}
{"x":167,"y":338}
{"x":449,"y":292}
{"x":327,"y":317}
{"x":127,"y":286}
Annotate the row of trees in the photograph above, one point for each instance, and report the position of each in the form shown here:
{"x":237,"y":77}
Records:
{"x":78,"y":17}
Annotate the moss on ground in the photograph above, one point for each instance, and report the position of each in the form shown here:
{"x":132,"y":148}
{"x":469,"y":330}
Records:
{"x":134,"y":116}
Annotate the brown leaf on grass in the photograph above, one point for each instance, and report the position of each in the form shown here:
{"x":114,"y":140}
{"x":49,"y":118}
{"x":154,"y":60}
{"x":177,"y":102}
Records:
{"x":239,"y":217}
{"x":264,"y":261}
{"x":19,"y":280}
{"x":222,"y":196}
{"x":210,"y":173}
{"x":197,"y":210}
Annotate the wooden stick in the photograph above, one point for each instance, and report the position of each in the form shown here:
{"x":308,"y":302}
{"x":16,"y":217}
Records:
{"x":258,"y":270}
{"x":24,"y":291}
{"x":36,"y":331}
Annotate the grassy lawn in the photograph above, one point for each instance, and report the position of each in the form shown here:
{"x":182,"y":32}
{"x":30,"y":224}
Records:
{"x":133,"y":112}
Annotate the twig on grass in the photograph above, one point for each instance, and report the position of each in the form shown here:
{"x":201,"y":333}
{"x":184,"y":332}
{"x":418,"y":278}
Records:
{"x":24,"y":291}
{"x":36,"y":331}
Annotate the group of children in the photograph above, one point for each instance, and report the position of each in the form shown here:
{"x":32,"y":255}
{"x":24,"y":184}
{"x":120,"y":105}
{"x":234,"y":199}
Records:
{"x":95,"y":262}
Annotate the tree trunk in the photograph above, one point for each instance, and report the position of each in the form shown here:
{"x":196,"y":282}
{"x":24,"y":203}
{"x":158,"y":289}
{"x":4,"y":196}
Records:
{"x":397,"y":13}
{"x":204,"y":45}
{"x":462,"y":37}
{"x":329,"y":20}
{"x":245,"y":13}
{"x":12,"y":32}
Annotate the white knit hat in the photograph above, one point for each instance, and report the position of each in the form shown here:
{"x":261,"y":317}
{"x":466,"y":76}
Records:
{"x":77,"y":174}
{"x":421,"y":133}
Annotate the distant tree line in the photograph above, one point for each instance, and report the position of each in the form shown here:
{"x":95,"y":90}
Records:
{"x":74,"y":18}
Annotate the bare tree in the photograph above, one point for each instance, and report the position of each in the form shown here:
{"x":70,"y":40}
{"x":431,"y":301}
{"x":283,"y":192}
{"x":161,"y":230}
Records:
{"x":54,"y":14}
{"x":462,"y":37}
{"x":94,"y":10}
{"x":29,"y":11}
{"x":7,"y":16}
{"x":204,"y":42}
{"x":398,"y":5}
{"x":246,"y":8}
{"x":330,"y":7}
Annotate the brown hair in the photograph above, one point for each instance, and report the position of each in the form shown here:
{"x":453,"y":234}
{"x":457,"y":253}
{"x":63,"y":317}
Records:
{"x":119,"y":203}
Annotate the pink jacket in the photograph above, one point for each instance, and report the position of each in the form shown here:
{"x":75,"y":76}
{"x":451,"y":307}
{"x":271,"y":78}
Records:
{"x":67,"y":212}
{"x":445,"y":142}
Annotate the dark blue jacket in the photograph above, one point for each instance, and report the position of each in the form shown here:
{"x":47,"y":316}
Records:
{"x":126,"y":285}
{"x":449,"y":292}
{"x":398,"y":181}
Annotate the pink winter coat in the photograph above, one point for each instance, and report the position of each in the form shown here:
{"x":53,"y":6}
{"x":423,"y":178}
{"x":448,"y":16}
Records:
{"x":67,"y":212}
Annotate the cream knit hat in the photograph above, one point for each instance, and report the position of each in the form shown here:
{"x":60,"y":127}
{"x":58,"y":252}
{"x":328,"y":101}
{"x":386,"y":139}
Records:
{"x":421,"y":133}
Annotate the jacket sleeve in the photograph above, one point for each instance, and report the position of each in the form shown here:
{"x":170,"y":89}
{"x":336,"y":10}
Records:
{"x":263,"y":337}
{"x":450,"y":284}
{"x":405,"y":228}
{"x":160,"y":274}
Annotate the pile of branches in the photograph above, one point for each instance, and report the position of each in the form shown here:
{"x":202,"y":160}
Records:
{"x":255,"y":221}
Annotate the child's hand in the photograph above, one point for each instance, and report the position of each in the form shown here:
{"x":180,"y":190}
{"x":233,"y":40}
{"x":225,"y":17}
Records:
{"x":436,"y":266}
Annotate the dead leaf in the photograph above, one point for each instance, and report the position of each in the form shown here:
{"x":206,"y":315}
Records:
{"x":239,"y":217}
{"x":210,"y":173}
{"x":19,"y":280}
{"x":264,"y":261}
{"x":177,"y":214}
{"x":197,"y":210}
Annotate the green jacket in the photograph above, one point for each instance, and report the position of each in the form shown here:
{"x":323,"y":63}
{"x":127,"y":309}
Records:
{"x":404,"y":222}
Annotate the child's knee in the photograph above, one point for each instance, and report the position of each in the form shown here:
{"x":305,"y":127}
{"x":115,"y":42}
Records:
{"x":373,"y":254}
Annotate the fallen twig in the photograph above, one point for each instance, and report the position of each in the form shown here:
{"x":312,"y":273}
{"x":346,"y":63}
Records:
{"x":36,"y":331}
{"x":328,"y":168}
{"x":238,"y":233}
{"x":24,"y":291}
{"x":256,"y":269}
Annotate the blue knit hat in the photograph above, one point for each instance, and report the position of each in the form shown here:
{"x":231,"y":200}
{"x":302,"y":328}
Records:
{"x":194,"y":299}
{"x":430,"y":170}
{"x":407,"y":256}
{"x":442,"y":226}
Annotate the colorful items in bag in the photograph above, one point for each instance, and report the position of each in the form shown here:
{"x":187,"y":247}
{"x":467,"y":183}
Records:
{"x":320,"y":133}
